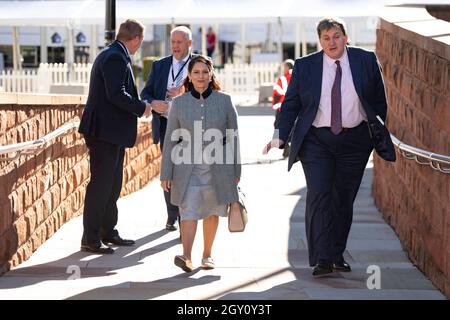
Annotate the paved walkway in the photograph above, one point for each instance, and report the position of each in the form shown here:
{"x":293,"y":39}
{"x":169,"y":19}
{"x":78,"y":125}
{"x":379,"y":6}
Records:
{"x":267,"y":261}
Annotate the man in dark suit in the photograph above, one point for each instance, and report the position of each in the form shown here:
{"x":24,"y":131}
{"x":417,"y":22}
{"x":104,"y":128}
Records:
{"x":332,"y":96}
{"x":163,"y":84}
{"x":109,"y":125}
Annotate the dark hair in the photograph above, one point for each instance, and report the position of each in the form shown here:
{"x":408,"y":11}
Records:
{"x":129,"y":30}
{"x":328,"y":23}
{"x":214,"y":84}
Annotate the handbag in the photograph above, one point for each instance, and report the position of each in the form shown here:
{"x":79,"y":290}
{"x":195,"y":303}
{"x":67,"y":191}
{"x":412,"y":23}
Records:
{"x":381,"y":139}
{"x":237,"y":214}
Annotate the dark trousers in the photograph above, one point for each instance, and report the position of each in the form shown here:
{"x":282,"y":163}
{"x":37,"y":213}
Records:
{"x":100,"y":208}
{"x":334,"y":166}
{"x":173,"y":213}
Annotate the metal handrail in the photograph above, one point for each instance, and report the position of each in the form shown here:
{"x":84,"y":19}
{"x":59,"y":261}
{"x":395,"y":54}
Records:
{"x":437,"y":161}
{"x":32,"y":147}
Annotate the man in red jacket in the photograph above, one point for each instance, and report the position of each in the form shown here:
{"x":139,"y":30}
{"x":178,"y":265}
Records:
{"x":280,"y":87}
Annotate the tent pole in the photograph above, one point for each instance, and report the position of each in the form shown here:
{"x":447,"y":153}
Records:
{"x":17,"y":64}
{"x":297,"y":39}
{"x":244,"y":43}
{"x":304,"y":43}
{"x":204,"y":39}
{"x":94,"y":43}
{"x":44,"y":53}
{"x":280,"y":40}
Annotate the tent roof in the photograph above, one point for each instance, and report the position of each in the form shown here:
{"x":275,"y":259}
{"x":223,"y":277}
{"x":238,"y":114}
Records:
{"x":77,"y":12}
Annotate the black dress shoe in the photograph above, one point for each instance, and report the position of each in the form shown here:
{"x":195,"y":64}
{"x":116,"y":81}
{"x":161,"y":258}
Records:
{"x":322,"y":268}
{"x":118,"y":241}
{"x":170,"y":226}
{"x":341,"y":266}
{"x":102,"y":249}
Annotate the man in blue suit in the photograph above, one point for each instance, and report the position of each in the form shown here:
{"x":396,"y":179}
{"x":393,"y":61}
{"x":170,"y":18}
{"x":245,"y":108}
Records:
{"x":109,"y":125}
{"x":164,"y":84}
{"x":332,"y":96}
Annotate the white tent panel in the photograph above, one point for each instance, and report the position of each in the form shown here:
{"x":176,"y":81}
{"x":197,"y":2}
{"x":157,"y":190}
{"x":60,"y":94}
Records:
{"x":6,"y":37}
{"x":77,"y":12}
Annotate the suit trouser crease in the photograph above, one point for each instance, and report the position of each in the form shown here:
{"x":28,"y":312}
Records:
{"x":172,"y":210}
{"x":334,"y":166}
{"x":100,"y":213}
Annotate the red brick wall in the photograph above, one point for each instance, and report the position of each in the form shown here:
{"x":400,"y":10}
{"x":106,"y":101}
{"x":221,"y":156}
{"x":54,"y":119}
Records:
{"x":414,"y":198}
{"x":39,"y":193}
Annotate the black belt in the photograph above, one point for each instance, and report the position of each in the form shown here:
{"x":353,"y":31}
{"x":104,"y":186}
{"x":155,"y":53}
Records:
{"x":343,"y":129}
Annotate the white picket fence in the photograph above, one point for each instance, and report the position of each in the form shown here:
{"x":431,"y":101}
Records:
{"x":236,"y":79}
{"x":246,"y":79}
{"x":19,"y":81}
{"x":48,"y":74}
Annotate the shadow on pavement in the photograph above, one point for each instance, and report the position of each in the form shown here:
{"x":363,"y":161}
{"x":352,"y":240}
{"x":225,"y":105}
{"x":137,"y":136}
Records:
{"x":99,"y":266}
{"x":298,"y":259}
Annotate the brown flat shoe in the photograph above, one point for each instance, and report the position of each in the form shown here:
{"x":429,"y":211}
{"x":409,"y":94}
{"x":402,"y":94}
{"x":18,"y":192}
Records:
{"x":183,"y":263}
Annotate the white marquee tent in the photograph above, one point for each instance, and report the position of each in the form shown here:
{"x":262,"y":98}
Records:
{"x":296,"y":14}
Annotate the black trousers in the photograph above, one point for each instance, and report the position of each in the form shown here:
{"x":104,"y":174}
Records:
{"x":100,"y":208}
{"x":173,"y":212}
{"x":334,"y":166}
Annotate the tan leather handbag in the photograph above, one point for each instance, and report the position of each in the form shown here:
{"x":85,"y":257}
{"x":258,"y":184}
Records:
{"x":237,"y":214}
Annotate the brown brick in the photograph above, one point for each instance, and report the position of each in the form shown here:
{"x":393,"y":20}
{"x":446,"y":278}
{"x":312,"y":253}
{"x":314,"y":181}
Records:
{"x":6,"y":217}
{"x":56,"y":195}
{"x":20,"y":227}
{"x":31,"y":218}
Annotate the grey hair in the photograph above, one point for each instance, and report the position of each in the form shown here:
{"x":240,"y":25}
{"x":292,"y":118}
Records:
{"x":187,"y":32}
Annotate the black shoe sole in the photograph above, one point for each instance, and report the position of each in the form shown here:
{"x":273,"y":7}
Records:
{"x":85,"y":249}
{"x":119,"y":244}
{"x":342,"y":270}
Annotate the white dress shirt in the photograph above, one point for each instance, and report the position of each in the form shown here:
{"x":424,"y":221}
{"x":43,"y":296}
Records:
{"x":171,"y":83}
{"x":352,"y":111}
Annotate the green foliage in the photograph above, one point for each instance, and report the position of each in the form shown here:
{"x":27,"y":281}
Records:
{"x":147,"y":64}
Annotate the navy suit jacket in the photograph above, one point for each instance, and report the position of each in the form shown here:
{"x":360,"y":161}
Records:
{"x":302,"y":97}
{"x":113,"y":104}
{"x":156,"y":89}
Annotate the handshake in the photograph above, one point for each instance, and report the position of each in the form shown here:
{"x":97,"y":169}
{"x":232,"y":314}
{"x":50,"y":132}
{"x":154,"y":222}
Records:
{"x":157,"y":105}
{"x":148,"y":109}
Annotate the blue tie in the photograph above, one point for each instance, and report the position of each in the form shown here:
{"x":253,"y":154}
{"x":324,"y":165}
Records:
{"x":179,"y":79}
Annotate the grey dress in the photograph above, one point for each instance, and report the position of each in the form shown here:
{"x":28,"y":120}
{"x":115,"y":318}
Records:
{"x":198,"y":188}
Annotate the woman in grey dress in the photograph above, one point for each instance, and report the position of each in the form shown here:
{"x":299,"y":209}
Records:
{"x":201,"y":163}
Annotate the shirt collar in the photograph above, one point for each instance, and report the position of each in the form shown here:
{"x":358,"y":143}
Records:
{"x":184,"y":59}
{"x":343,"y":59}
{"x":205,"y":93}
{"x":124,"y":47}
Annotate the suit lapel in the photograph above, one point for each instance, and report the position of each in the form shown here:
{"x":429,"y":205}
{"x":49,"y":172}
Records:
{"x":164,"y":77}
{"x":355,"y":67}
{"x":317,"y":78}
{"x":133,"y":83}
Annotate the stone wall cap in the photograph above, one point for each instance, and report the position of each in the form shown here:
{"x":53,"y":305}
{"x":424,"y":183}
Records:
{"x":417,"y":26}
{"x":402,"y":14}
{"x":41,"y":99}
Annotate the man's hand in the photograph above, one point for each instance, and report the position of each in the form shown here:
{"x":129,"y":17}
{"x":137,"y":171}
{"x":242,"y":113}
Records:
{"x":166,"y":184}
{"x":160,"y":106}
{"x":275,"y":143}
{"x":174,"y":92}
{"x":148,"y":110}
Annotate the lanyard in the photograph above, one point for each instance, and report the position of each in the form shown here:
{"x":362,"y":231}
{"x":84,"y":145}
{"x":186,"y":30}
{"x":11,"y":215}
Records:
{"x":179,"y":71}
